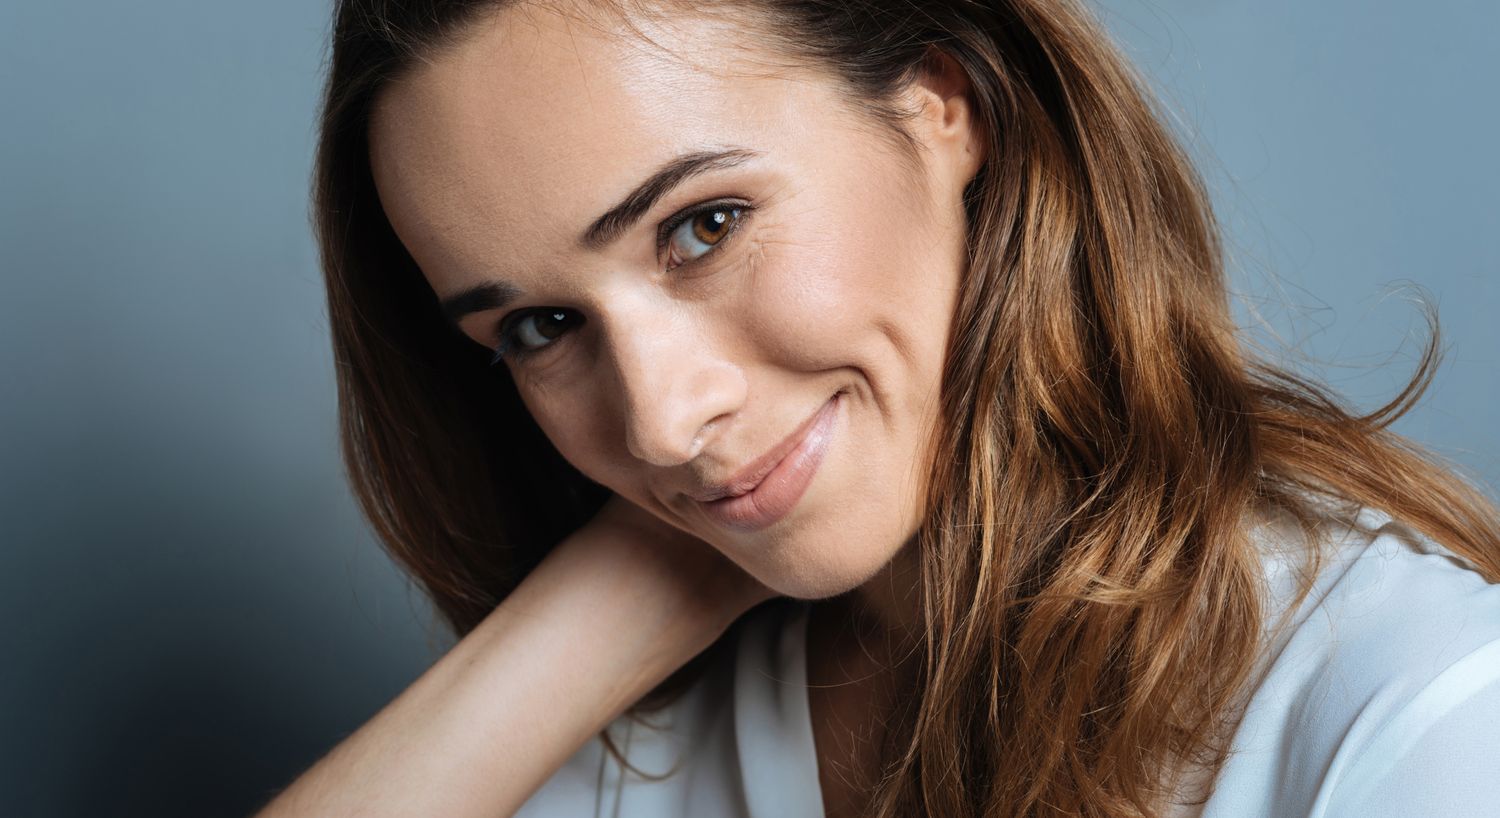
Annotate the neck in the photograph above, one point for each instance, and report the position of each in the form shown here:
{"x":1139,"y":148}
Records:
{"x":861,"y":665}
{"x":888,"y":605}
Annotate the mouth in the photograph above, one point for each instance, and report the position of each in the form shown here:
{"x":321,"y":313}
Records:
{"x":763,"y":500}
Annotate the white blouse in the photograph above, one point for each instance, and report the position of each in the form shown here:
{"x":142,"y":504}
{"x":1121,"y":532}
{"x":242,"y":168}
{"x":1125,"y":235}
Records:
{"x":1380,"y":698}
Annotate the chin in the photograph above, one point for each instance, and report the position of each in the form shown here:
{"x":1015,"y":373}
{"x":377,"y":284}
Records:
{"x":819,"y":567}
{"x":813,"y":587}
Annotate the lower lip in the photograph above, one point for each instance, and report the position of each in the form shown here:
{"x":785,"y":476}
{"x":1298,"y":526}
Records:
{"x":778,"y":493}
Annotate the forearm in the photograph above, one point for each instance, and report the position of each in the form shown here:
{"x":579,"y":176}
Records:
{"x":587,"y":634}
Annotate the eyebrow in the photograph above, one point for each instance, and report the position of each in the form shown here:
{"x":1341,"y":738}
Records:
{"x":607,"y":228}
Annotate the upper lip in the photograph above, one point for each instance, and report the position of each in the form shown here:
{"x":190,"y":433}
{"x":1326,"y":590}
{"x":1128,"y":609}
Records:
{"x":748,"y":477}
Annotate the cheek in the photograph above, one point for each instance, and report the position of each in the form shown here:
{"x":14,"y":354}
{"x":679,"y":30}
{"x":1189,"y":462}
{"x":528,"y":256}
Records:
{"x":852,"y":291}
{"x":574,"y":428}
{"x":814,"y":300}
{"x":812,"y":330}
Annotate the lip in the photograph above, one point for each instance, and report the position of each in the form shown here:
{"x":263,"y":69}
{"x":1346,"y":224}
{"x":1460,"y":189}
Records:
{"x":787,"y":471}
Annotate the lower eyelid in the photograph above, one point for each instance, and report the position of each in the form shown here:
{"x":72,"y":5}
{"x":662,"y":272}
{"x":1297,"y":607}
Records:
{"x":515,"y":351}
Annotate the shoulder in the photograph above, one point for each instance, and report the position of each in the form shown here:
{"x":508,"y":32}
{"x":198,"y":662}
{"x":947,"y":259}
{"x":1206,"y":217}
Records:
{"x":1397,"y":639}
{"x":1415,"y":666}
{"x":1431,"y":754}
{"x":1390,"y":611}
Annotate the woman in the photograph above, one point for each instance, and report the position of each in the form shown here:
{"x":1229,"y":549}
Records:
{"x":834,"y":408}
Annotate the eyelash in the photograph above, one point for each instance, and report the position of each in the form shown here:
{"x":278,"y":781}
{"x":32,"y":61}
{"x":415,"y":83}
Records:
{"x":507,"y":348}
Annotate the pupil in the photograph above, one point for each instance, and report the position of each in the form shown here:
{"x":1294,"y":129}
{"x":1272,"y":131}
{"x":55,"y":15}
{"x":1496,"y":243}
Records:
{"x":552,"y":330}
{"x":720,"y":219}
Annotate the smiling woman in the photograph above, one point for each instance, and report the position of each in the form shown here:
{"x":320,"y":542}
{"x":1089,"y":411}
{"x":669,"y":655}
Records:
{"x":838,"y":405}
{"x":678,"y":311}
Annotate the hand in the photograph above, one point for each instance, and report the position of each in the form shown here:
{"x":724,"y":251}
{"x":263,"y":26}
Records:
{"x":639,"y":547}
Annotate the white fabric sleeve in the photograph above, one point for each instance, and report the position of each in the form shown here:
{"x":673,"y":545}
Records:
{"x":1438,"y":756}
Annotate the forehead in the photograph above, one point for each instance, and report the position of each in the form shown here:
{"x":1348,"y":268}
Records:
{"x":540,"y":119}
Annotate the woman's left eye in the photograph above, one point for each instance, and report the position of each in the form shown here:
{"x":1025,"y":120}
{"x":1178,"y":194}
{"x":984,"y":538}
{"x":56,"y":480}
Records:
{"x":696,"y":233}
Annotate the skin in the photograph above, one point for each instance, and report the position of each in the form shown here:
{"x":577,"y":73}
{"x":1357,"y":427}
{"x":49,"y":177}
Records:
{"x":840,"y":275}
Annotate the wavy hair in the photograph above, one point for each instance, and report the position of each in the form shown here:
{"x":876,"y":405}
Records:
{"x":1092,"y":607}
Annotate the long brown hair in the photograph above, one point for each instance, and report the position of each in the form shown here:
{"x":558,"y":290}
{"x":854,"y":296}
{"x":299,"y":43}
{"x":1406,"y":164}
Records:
{"x":1090,"y":593}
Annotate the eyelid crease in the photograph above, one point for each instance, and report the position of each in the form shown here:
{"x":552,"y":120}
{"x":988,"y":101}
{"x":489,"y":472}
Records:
{"x":507,"y":349}
{"x":671,"y":223}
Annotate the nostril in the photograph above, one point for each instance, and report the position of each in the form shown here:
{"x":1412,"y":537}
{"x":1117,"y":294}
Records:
{"x":701,"y":439}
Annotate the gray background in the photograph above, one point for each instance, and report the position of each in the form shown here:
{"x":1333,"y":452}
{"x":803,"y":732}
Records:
{"x":194,"y":610}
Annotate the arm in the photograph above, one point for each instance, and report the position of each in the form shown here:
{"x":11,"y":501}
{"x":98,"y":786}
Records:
{"x":605,"y":617}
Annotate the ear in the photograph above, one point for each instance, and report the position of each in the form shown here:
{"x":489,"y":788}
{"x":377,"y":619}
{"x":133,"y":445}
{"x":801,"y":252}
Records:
{"x":940,"y":96}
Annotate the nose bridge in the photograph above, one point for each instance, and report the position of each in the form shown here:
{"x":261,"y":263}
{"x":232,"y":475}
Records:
{"x":674,"y":381}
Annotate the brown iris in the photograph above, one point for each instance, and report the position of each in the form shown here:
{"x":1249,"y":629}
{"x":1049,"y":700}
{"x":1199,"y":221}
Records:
{"x":710,"y":227}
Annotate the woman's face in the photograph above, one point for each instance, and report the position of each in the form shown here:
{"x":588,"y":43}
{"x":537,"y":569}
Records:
{"x":811,"y":287}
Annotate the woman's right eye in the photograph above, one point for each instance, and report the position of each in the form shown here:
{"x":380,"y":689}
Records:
{"x":521,"y":336}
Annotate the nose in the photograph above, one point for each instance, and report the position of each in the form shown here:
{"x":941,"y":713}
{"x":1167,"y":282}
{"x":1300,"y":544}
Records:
{"x":677,"y":389}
